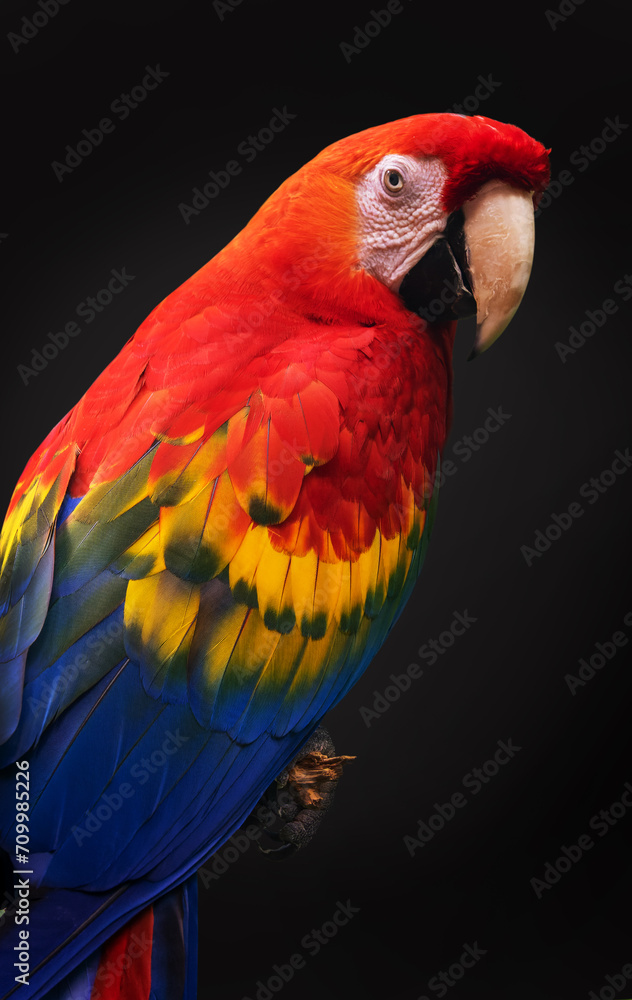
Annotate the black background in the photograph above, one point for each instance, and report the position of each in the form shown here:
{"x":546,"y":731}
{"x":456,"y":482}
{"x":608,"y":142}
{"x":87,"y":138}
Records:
{"x":505,"y":678}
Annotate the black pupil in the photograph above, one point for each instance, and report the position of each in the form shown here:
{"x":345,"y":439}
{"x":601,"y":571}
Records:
{"x":394,"y":178}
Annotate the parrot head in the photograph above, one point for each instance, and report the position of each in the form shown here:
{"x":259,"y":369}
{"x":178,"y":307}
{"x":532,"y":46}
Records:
{"x":432,"y":213}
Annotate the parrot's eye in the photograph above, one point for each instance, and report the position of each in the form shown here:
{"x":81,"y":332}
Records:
{"x":393,"y":181}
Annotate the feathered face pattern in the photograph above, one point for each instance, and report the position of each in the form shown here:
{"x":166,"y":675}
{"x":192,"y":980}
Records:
{"x":219,"y":535}
{"x":450,"y":193}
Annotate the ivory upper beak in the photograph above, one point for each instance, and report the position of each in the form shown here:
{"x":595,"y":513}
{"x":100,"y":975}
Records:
{"x":500,"y":234}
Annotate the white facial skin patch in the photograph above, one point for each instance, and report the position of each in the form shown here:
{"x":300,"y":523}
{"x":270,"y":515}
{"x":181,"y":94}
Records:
{"x":401,"y":214}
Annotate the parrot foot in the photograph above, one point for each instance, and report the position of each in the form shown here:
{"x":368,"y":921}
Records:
{"x":302,"y":794}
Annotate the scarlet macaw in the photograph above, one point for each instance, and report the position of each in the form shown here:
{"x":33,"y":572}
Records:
{"x":206,"y":552}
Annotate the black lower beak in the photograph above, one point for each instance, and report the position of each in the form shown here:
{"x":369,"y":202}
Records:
{"x":439,"y":286}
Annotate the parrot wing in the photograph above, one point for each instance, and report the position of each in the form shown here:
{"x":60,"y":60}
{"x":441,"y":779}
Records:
{"x":201,"y":582}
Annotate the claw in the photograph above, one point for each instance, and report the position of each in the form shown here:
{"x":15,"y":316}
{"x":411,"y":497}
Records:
{"x":279,"y":853}
{"x":302,"y":794}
